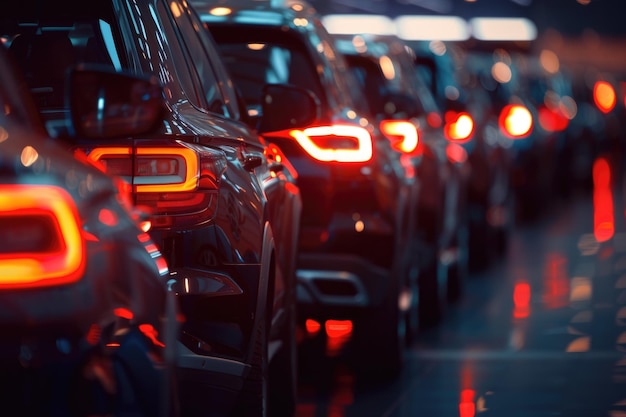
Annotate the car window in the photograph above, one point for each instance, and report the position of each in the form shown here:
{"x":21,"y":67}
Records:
{"x":342,"y":87}
{"x":46,"y":49}
{"x":196,"y":53}
{"x":119,"y":34}
{"x":15,"y":109}
{"x":270,"y":56}
{"x":223,"y":77}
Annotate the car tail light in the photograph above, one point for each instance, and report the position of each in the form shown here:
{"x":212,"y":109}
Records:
{"x":41,"y":240}
{"x":552,"y":120}
{"x":402,"y":134}
{"x":604,"y":96}
{"x":340,"y":143}
{"x":459,"y":127}
{"x":177,"y":182}
{"x":516,"y":121}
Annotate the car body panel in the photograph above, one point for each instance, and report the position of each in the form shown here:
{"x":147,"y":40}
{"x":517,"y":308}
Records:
{"x":357,"y":218}
{"x":257,"y":205}
{"x":53,"y":329}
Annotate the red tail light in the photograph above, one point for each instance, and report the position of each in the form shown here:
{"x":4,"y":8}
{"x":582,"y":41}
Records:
{"x":402,"y":134}
{"x":459,"y":127}
{"x":604,"y":96}
{"x":41,"y":240}
{"x":603,"y":206}
{"x":339,"y":143}
{"x":552,"y":120}
{"x":178,"y":182}
{"x":516,"y":121}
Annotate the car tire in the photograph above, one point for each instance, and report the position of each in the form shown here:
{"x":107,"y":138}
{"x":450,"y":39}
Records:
{"x":254,"y":395}
{"x":283,"y":376}
{"x":122,"y":381}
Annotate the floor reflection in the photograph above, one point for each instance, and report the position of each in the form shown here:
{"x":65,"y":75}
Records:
{"x":542,"y":333}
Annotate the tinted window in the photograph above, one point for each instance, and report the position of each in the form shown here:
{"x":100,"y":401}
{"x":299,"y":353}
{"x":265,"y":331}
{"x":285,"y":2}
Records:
{"x":196,"y":56}
{"x":138,"y":37}
{"x":258,"y":56}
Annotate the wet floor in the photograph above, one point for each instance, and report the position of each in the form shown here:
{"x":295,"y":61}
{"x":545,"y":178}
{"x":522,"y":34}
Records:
{"x":540,"y":333}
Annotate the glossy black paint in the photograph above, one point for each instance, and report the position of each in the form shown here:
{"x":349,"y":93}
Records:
{"x":384,"y":67}
{"x":241,"y":255}
{"x":490,"y":196}
{"x":54,"y":335}
{"x":355,"y":242}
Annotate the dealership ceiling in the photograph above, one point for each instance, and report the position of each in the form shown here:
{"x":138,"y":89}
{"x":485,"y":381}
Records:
{"x":570,"y":17}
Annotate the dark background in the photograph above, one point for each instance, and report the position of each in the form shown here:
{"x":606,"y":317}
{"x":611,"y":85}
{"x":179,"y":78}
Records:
{"x":582,"y":35}
{"x":606,"y":17}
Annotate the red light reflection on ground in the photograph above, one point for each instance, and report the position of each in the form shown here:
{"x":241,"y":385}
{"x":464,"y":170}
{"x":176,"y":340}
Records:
{"x":342,"y":394}
{"x":521,"y":299}
{"x":556,"y":281}
{"x":467,"y":407}
{"x":603,"y":220}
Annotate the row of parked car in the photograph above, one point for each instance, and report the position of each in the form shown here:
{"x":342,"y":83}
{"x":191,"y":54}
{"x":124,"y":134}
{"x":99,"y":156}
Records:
{"x":184,"y":184}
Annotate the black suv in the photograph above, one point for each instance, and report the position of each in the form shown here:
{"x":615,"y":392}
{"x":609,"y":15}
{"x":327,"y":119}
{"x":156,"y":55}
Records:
{"x":85,"y":308}
{"x":356,"y":259}
{"x":223,"y":205}
{"x":400,"y":99}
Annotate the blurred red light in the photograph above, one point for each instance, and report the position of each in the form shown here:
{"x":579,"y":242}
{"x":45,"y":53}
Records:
{"x":552,"y":120}
{"x":338,"y":328}
{"x":604,"y":96}
{"x":515,"y":121}
{"x":459,"y":127}
{"x":521,"y":300}
{"x":312,"y":327}
{"x":603,"y":217}
{"x":467,"y":408}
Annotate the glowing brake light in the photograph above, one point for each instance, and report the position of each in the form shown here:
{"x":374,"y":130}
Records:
{"x":156,"y":169}
{"x":604,"y":96}
{"x":41,"y":240}
{"x":402,"y":134}
{"x":178,"y":181}
{"x":459,"y":126}
{"x":552,"y":120}
{"x":339,"y":143}
{"x":515,"y":121}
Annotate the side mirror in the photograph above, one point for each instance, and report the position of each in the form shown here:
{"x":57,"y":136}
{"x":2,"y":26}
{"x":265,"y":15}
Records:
{"x":286,"y":107}
{"x":108,"y":104}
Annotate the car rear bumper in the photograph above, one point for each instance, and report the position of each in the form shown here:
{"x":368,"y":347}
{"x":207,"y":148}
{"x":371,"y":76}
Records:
{"x":338,"y":286}
{"x":208,"y":385}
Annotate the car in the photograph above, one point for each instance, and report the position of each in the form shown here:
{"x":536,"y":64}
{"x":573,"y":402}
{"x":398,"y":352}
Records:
{"x":490,"y":195}
{"x":356,"y":253}
{"x":88,"y":324}
{"x":494,"y":81}
{"x":397,"y":96}
{"x":222,"y":202}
